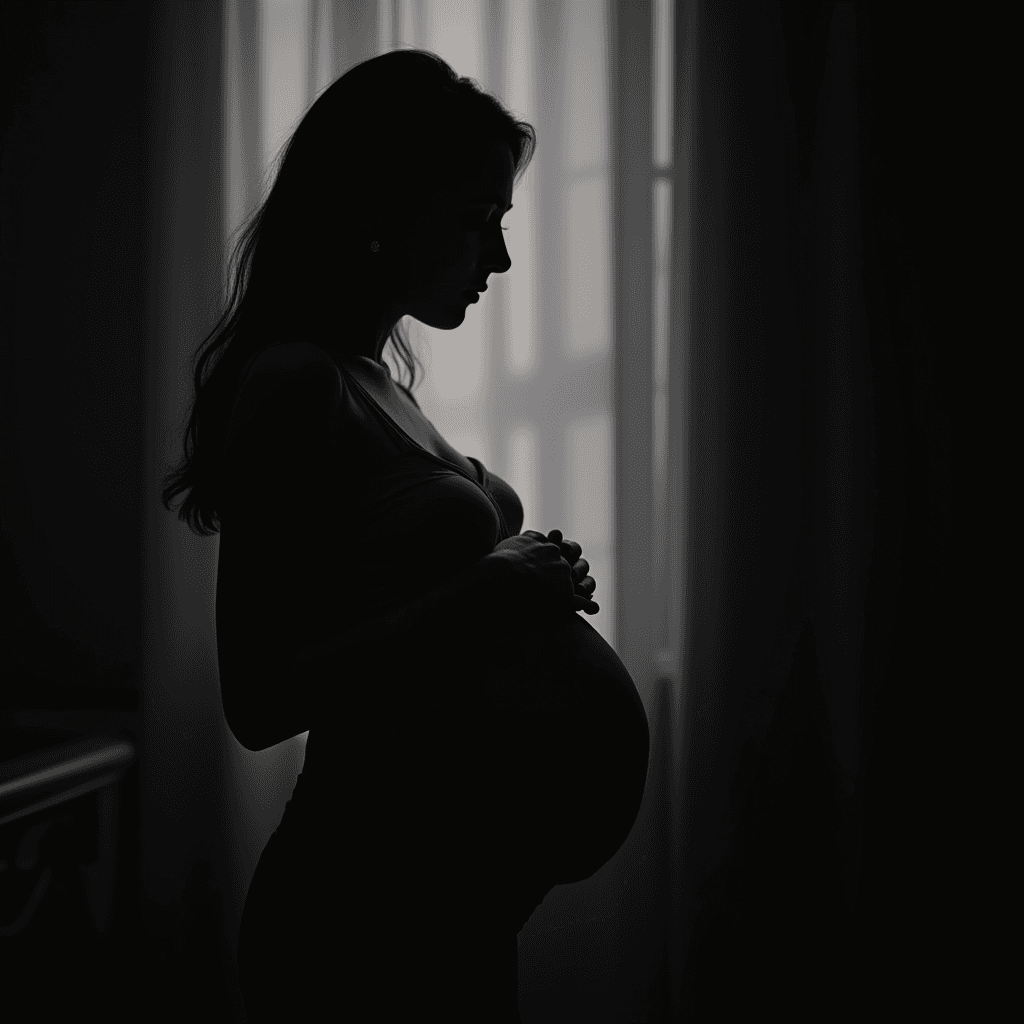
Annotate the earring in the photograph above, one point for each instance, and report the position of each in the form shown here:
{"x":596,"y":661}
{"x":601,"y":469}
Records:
{"x":375,"y":245}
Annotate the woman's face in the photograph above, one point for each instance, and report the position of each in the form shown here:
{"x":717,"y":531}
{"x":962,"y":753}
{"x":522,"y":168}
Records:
{"x":458,"y":242}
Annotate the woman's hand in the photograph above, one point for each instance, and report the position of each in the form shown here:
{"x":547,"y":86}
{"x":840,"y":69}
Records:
{"x":583,"y":584}
{"x":552,"y":563}
{"x":531,"y":558}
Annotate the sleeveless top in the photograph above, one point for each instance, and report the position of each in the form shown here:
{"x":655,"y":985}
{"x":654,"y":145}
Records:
{"x":388,"y":509}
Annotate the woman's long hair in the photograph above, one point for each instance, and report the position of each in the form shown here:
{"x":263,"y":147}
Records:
{"x":366,"y":157}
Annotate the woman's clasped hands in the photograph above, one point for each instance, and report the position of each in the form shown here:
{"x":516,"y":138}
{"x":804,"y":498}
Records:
{"x":554,"y":563}
{"x":583,"y":584}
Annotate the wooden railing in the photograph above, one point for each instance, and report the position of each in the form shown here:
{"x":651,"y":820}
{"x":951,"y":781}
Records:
{"x":42,"y":789}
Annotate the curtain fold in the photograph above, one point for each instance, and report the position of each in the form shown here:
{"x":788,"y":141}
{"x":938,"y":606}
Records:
{"x":844,"y":456}
{"x":780,"y":433}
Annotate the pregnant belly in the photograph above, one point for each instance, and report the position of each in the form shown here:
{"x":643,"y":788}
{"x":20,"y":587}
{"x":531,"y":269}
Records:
{"x":522,"y":767}
{"x":564,"y":666}
{"x":540,"y":728}
{"x":556,"y":666}
{"x":578,"y":738}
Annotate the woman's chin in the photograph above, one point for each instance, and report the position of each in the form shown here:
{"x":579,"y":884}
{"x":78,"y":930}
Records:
{"x":448,"y":320}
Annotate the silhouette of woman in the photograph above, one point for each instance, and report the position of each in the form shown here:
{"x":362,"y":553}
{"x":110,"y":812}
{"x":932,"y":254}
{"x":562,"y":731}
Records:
{"x":472,"y":740}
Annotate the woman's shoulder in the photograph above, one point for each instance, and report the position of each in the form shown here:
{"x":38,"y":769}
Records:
{"x":290,"y":360}
{"x":285,"y":383}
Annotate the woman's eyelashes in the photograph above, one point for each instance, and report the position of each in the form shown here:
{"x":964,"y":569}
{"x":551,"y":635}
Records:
{"x":489,"y":220}
{"x":487,"y":223}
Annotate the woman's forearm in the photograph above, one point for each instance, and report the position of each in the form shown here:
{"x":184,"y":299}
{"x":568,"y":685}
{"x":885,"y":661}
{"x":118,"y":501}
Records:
{"x":462,"y":599}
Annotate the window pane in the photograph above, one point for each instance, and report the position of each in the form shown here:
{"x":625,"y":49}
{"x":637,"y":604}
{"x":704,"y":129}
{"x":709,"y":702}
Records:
{"x":588,"y":269}
{"x":522,"y":472}
{"x":586,"y":85}
{"x":662,"y":72}
{"x":283,"y":61}
{"x":588,"y":483}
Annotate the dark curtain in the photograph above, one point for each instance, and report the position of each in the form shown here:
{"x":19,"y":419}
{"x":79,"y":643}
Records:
{"x":820,"y":529}
{"x":110,"y":249}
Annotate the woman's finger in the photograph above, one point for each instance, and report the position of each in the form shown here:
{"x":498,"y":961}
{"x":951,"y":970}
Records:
{"x":571,"y":551}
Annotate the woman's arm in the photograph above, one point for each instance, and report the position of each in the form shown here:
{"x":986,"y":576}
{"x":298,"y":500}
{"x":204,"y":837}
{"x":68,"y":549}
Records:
{"x":455,"y":612}
{"x":280,"y":445}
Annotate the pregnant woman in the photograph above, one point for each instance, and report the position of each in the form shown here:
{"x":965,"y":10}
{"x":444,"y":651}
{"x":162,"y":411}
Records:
{"x":472,"y":740}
